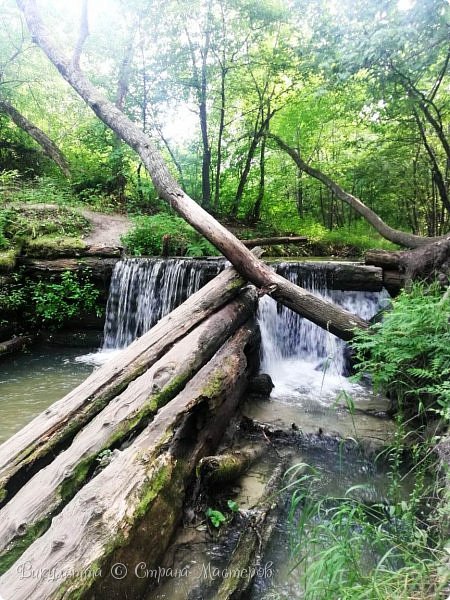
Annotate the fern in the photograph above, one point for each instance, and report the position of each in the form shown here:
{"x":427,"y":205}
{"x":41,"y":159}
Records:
{"x":408,"y":354}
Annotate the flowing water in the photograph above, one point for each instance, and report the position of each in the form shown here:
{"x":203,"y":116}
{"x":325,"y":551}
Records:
{"x":307,"y":364}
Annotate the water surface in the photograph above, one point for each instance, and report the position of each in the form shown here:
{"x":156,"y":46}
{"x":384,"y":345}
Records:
{"x":30,"y":382}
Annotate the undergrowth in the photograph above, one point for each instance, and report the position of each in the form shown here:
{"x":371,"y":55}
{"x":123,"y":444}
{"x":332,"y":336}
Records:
{"x":164,"y":233}
{"x":346,"y":548}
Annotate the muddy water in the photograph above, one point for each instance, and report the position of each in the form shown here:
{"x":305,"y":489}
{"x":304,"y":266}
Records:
{"x":29,"y":382}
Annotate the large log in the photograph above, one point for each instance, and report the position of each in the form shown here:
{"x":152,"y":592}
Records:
{"x":35,"y":444}
{"x":325,"y":314}
{"x":129,"y":511}
{"x":29,"y":512}
{"x":227,"y":467}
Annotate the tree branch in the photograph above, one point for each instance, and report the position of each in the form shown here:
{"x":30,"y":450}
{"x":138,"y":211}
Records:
{"x":83,"y":34}
{"x":47,"y":145}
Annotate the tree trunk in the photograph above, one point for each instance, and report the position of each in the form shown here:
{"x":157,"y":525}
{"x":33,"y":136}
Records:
{"x":224,"y":468}
{"x":127,"y":413}
{"x":129,"y":511}
{"x":419,"y":263}
{"x":47,"y":145}
{"x":327,"y":315}
{"x":34,"y":445}
{"x":394,"y":235}
{"x":249,"y":550}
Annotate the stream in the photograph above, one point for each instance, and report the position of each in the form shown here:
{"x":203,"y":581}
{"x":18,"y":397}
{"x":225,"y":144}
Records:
{"x":312,"y":393}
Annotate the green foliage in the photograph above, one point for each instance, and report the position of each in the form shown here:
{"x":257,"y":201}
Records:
{"x":57,"y":301}
{"x":216,"y":517}
{"x":27,"y":223}
{"x":50,"y":303}
{"x":233,"y":505}
{"x":146,"y":237}
{"x":408,"y":353}
{"x":346,"y":549}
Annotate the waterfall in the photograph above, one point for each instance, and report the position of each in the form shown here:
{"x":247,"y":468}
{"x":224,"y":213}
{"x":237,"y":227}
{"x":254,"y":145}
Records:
{"x":302,"y":358}
{"x":142,"y":291}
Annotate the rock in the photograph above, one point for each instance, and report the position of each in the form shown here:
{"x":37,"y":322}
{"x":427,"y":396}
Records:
{"x":261,"y":385}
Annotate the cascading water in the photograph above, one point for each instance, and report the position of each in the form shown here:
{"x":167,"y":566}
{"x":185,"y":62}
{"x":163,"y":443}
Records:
{"x":302,"y":358}
{"x":144,"y":290}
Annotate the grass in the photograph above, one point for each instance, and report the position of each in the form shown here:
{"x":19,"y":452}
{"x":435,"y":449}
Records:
{"x":343,"y":548}
{"x":7,"y":259}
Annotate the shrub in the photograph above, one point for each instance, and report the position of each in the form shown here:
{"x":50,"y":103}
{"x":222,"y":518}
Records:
{"x":50,"y":303}
{"x":146,"y":237}
{"x":408,"y":353}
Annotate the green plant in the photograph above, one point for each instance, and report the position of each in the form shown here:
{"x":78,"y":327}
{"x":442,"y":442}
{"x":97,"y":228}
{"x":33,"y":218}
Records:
{"x":216,"y":517}
{"x":408,"y":353}
{"x":343,"y":548}
{"x":150,"y":234}
{"x":57,"y":301}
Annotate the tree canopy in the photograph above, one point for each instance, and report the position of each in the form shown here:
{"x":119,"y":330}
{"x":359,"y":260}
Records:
{"x":358,"y":89}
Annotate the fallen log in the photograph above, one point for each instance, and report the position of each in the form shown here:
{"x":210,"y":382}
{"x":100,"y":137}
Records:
{"x":274,"y":241}
{"x":256,"y":533}
{"x":227,"y":467}
{"x":125,"y":516}
{"x":325,"y":314}
{"x":35,"y":444}
{"x":27,"y":512}
{"x":15,"y":344}
{"x":339,"y":275}
{"x":100,"y":267}
{"x":428,"y":262}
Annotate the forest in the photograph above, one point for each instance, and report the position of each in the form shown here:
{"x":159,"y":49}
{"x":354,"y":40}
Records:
{"x":141,"y":143}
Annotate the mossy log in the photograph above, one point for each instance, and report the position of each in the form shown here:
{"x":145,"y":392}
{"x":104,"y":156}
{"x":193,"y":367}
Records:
{"x":249,"y":550}
{"x":224,"y":468}
{"x":126,"y":514}
{"x":34,"y":445}
{"x":130,"y":411}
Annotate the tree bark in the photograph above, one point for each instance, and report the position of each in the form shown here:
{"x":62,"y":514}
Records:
{"x":402,"y":238}
{"x":47,"y":145}
{"x":224,"y":468}
{"x":271,"y":241}
{"x":35,"y":444}
{"x":325,"y":314}
{"x":129,"y":511}
{"x":249,"y":550}
{"x":127,"y":413}
{"x":420,"y":263}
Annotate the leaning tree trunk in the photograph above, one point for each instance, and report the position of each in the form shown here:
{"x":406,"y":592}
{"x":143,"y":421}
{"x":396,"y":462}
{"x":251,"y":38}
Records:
{"x":47,"y":145}
{"x":325,"y":314}
{"x":402,"y":238}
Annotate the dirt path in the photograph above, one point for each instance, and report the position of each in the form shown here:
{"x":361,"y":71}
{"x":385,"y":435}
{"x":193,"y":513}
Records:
{"x":106,"y":229}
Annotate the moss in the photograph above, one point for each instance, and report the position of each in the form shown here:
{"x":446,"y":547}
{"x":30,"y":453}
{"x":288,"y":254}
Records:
{"x":21,"y":544}
{"x":53,"y":245}
{"x":8,"y":259}
{"x":152,"y":488}
{"x":72,"y":484}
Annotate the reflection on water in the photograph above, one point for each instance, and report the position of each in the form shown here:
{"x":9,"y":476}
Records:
{"x":29,"y":382}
